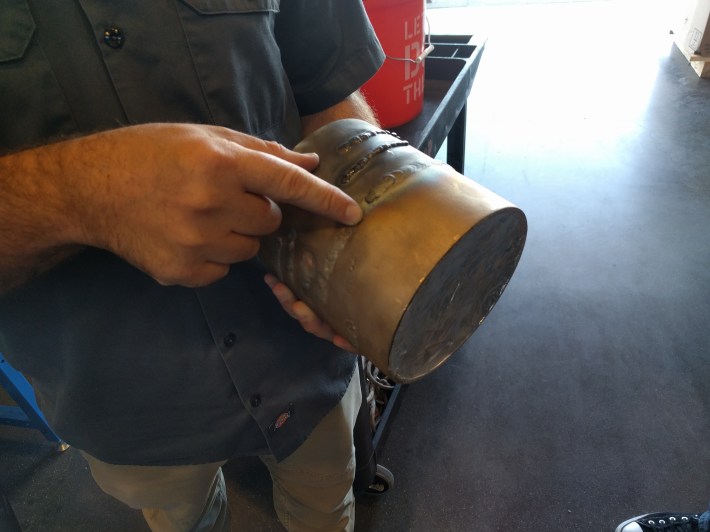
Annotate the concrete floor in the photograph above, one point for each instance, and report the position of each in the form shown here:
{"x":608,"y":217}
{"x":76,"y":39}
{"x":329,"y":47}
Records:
{"x":583,"y":399}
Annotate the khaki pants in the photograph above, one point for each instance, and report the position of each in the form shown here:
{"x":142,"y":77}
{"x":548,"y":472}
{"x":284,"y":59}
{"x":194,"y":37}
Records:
{"x":312,"y":487}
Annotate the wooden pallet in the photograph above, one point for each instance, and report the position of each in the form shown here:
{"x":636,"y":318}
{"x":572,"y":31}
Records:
{"x":700,"y":63}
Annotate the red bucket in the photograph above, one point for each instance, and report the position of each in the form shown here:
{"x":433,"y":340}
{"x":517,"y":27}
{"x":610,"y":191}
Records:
{"x":396,"y":92}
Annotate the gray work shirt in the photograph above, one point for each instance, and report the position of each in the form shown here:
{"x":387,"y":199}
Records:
{"x":125,"y":369}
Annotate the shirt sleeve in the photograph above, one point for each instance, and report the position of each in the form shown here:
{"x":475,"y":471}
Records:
{"x":328,"y":49}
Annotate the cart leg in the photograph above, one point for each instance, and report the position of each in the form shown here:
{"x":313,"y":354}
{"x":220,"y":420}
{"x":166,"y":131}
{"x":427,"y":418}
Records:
{"x":456,"y":142}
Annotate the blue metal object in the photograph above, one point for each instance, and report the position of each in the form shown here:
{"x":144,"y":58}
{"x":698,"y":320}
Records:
{"x":27,"y":413}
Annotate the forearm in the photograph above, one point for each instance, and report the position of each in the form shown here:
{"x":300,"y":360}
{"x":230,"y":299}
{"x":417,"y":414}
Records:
{"x":181,"y":202}
{"x":354,"y":106}
{"x":35,"y":228}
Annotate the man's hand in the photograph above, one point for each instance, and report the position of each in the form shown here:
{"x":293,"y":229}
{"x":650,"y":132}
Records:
{"x":354,"y":106}
{"x":304,"y":314}
{"x":181,"y":202}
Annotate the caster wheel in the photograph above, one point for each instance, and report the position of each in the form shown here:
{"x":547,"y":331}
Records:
{"x":384,"y":481}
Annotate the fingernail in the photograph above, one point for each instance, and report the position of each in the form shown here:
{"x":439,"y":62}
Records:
{"x":353,"y":214}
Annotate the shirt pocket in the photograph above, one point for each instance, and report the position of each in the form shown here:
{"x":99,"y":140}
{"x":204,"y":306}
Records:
{"x":220,"y":7}
{"x":32,"y":105}
{"x":16,"y":27}
{"x":238,"y":63}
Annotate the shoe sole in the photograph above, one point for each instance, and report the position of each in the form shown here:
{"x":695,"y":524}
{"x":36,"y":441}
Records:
{"x":629,"y":521}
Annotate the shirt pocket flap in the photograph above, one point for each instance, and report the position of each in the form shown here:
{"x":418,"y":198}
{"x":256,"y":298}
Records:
{"x":225,"y":7}
{"x":16,"y":27}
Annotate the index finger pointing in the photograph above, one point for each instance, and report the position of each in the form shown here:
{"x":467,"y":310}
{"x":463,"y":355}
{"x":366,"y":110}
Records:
{"x":289,"y":183}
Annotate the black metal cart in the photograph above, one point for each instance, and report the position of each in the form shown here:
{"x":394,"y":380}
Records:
{"x":448,"y":77}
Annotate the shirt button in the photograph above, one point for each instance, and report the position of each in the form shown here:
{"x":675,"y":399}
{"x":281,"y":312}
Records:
{"x":229,"y":340}
{"x":255,"y":400}
{"x":114,"y":37}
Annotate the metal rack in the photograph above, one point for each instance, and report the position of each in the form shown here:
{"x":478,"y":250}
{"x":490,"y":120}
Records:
{"x":448,"y":77}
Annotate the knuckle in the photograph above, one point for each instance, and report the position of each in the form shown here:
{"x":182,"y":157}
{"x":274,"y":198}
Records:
{"x":295,"y":185}
{"x":330,"y":200}
{"x":272,"y":147}
{"x":197,"y":153}
{"x":200,"y":198}
{"x":252,"y":249}
{"x":188,"y":237}
{"x":272,"y":218}
{"x":246,"y":249}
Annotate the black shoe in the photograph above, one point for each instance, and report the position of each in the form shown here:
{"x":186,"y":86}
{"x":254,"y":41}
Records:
{"x":669,"y":521}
